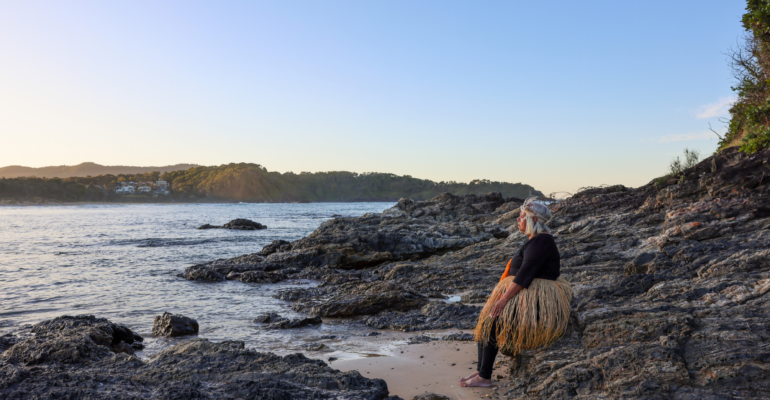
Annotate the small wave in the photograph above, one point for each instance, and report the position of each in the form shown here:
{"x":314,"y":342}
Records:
{"x":173,"y":242}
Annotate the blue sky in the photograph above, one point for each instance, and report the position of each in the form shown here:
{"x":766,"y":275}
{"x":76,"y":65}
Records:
{"x":559,"y":94}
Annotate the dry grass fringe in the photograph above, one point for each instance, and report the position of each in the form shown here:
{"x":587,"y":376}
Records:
{"x":534,"y":317}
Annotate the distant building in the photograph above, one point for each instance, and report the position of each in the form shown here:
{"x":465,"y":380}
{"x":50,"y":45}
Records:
{"x":125,"y":190}
{"x":144,"y":189}
{"x":161,"y":184}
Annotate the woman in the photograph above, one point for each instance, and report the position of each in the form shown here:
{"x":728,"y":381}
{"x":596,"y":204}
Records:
{"x":528,"y":309}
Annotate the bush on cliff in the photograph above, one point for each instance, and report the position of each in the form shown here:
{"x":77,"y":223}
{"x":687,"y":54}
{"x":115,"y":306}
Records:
{"x":749,"y":125}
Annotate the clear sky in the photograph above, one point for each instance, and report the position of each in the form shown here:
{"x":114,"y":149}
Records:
{"x":557,"y":94}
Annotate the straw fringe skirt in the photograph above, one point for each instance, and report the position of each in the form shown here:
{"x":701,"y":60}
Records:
{"x":534,"y":317}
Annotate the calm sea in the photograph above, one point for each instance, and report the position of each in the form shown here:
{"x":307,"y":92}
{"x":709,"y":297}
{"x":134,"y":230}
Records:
{"x":121,"y":262}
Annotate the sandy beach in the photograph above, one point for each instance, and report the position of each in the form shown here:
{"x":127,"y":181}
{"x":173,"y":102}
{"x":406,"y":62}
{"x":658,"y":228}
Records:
{"x":433,"y":367}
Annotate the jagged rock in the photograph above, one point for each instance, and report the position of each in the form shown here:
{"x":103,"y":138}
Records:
{"x":248,"y":268}
{"x":275,"y":321}
{"x":275,"y":246}
{"x":196,"y":368}
{"x":67,"y":339}
{"x":172,"y":325}
{"x":434,"y":315}
{"x":6,"y":341}
{"x":268,"y":318}
{"x":420,"y":339}
{"x":463,"y":337}
{"x":353,"y":299}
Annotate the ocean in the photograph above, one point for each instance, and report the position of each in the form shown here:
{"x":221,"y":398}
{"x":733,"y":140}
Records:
{"x":121,"y":262}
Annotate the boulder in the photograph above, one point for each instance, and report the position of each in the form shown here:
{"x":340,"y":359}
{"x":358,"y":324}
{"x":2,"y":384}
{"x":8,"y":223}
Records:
{"x":238,"y":224}
{"x":276,"y":321}
{"x":72,"y":360}
{"x":171,"y":325}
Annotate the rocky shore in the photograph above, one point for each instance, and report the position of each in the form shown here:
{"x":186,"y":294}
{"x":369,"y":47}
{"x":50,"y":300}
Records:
{"x":670,"y":280}
{"x":670,"y":285}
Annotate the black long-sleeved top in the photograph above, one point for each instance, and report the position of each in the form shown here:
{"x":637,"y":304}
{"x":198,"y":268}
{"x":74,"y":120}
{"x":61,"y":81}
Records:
{"x":538,"y":258}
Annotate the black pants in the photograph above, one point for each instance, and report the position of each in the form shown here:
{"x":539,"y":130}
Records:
{"x":487,"y":353}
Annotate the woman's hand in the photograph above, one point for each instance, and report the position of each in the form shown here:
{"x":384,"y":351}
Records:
{"x":498,"y":307}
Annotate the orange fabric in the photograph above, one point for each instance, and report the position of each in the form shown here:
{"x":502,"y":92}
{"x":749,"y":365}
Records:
{"x":507,"y":268}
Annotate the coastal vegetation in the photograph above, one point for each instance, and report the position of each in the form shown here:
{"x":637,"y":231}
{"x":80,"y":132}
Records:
{"x":252,"y":183}
{"x":749,"y":123}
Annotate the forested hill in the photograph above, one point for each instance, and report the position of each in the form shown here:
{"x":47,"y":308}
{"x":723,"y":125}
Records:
{"x":84,"y":169}
{"x":253,"y":183}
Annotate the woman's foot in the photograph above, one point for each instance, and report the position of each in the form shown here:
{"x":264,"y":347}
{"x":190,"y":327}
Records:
{"x":468,"y":377}
{"x":476,"y":381}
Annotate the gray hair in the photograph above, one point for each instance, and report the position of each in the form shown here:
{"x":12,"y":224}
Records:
{"x":533,"y":208}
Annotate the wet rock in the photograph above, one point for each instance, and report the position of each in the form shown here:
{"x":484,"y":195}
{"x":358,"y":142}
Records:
{"x":238,"y":224}
{"x":420,"y":339}
{"x":198,"y":368}
{"x":275,"y":246}
{"x":244,"y":224}
{"x":295,"y":323}
{"x":430,"y":396}
{"x":171,"y":325}
{"x":268,"y":318}
{"x":72,"y":340}
{"x":361,"y":299}
{"x":314,"y":347}
{"x":434,"y":315}
{"x":248,"y":268}
{"x":6,"y":341}
{"x":462,"y":337}
{"x":476,"y":296}
{"x":276,"y":321}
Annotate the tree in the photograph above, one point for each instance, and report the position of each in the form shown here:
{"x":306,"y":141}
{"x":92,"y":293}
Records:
{"x":749,"y":123}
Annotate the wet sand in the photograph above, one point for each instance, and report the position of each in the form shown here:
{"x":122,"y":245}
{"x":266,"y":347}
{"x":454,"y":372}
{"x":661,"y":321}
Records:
{"x":411,"y":370}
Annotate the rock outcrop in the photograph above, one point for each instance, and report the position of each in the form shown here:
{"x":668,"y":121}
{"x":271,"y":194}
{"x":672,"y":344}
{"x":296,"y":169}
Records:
{"x":670,"y":280}
{"x":171,"y":325}
{"x":670,"y":283}
{"x":275,"y":321}
{"x":74,"y":358}
{"x":238,"y":224}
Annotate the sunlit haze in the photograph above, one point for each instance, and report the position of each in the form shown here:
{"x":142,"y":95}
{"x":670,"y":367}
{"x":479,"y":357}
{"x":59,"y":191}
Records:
{"x":558,"y":95}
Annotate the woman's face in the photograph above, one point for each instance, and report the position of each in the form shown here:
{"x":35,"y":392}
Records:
{"x":523,"y":221}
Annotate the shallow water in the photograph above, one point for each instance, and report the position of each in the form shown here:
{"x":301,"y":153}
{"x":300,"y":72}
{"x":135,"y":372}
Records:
{"x":121,"y":262}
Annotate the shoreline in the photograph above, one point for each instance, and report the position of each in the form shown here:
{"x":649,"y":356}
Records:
{"x":434,"y":367}
{"x":92,"y":203}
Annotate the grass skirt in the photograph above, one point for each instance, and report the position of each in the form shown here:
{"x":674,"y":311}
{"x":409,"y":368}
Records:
{"x":534,"y":317}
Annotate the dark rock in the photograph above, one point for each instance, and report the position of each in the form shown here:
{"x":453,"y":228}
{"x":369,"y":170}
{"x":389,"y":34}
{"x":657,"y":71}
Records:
{"x":434,"y":315}
{"x":70,"y":340}
{"x":239,"y":224}
{"x":171,"y":325}
{"x":275,"y":246}
{"x":476,"y":296}
{"x":268,"y":318}
{"x":295,"y":323}
{"x":244,"y":224}
{"x":464,"y":337}
{"x":361,"y":299}
{"x":430,"y":396}
{"x":209,"y":226}
{"x":6,"y":341}
{"x":420,"y":339}
{"x":65,"y":360}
